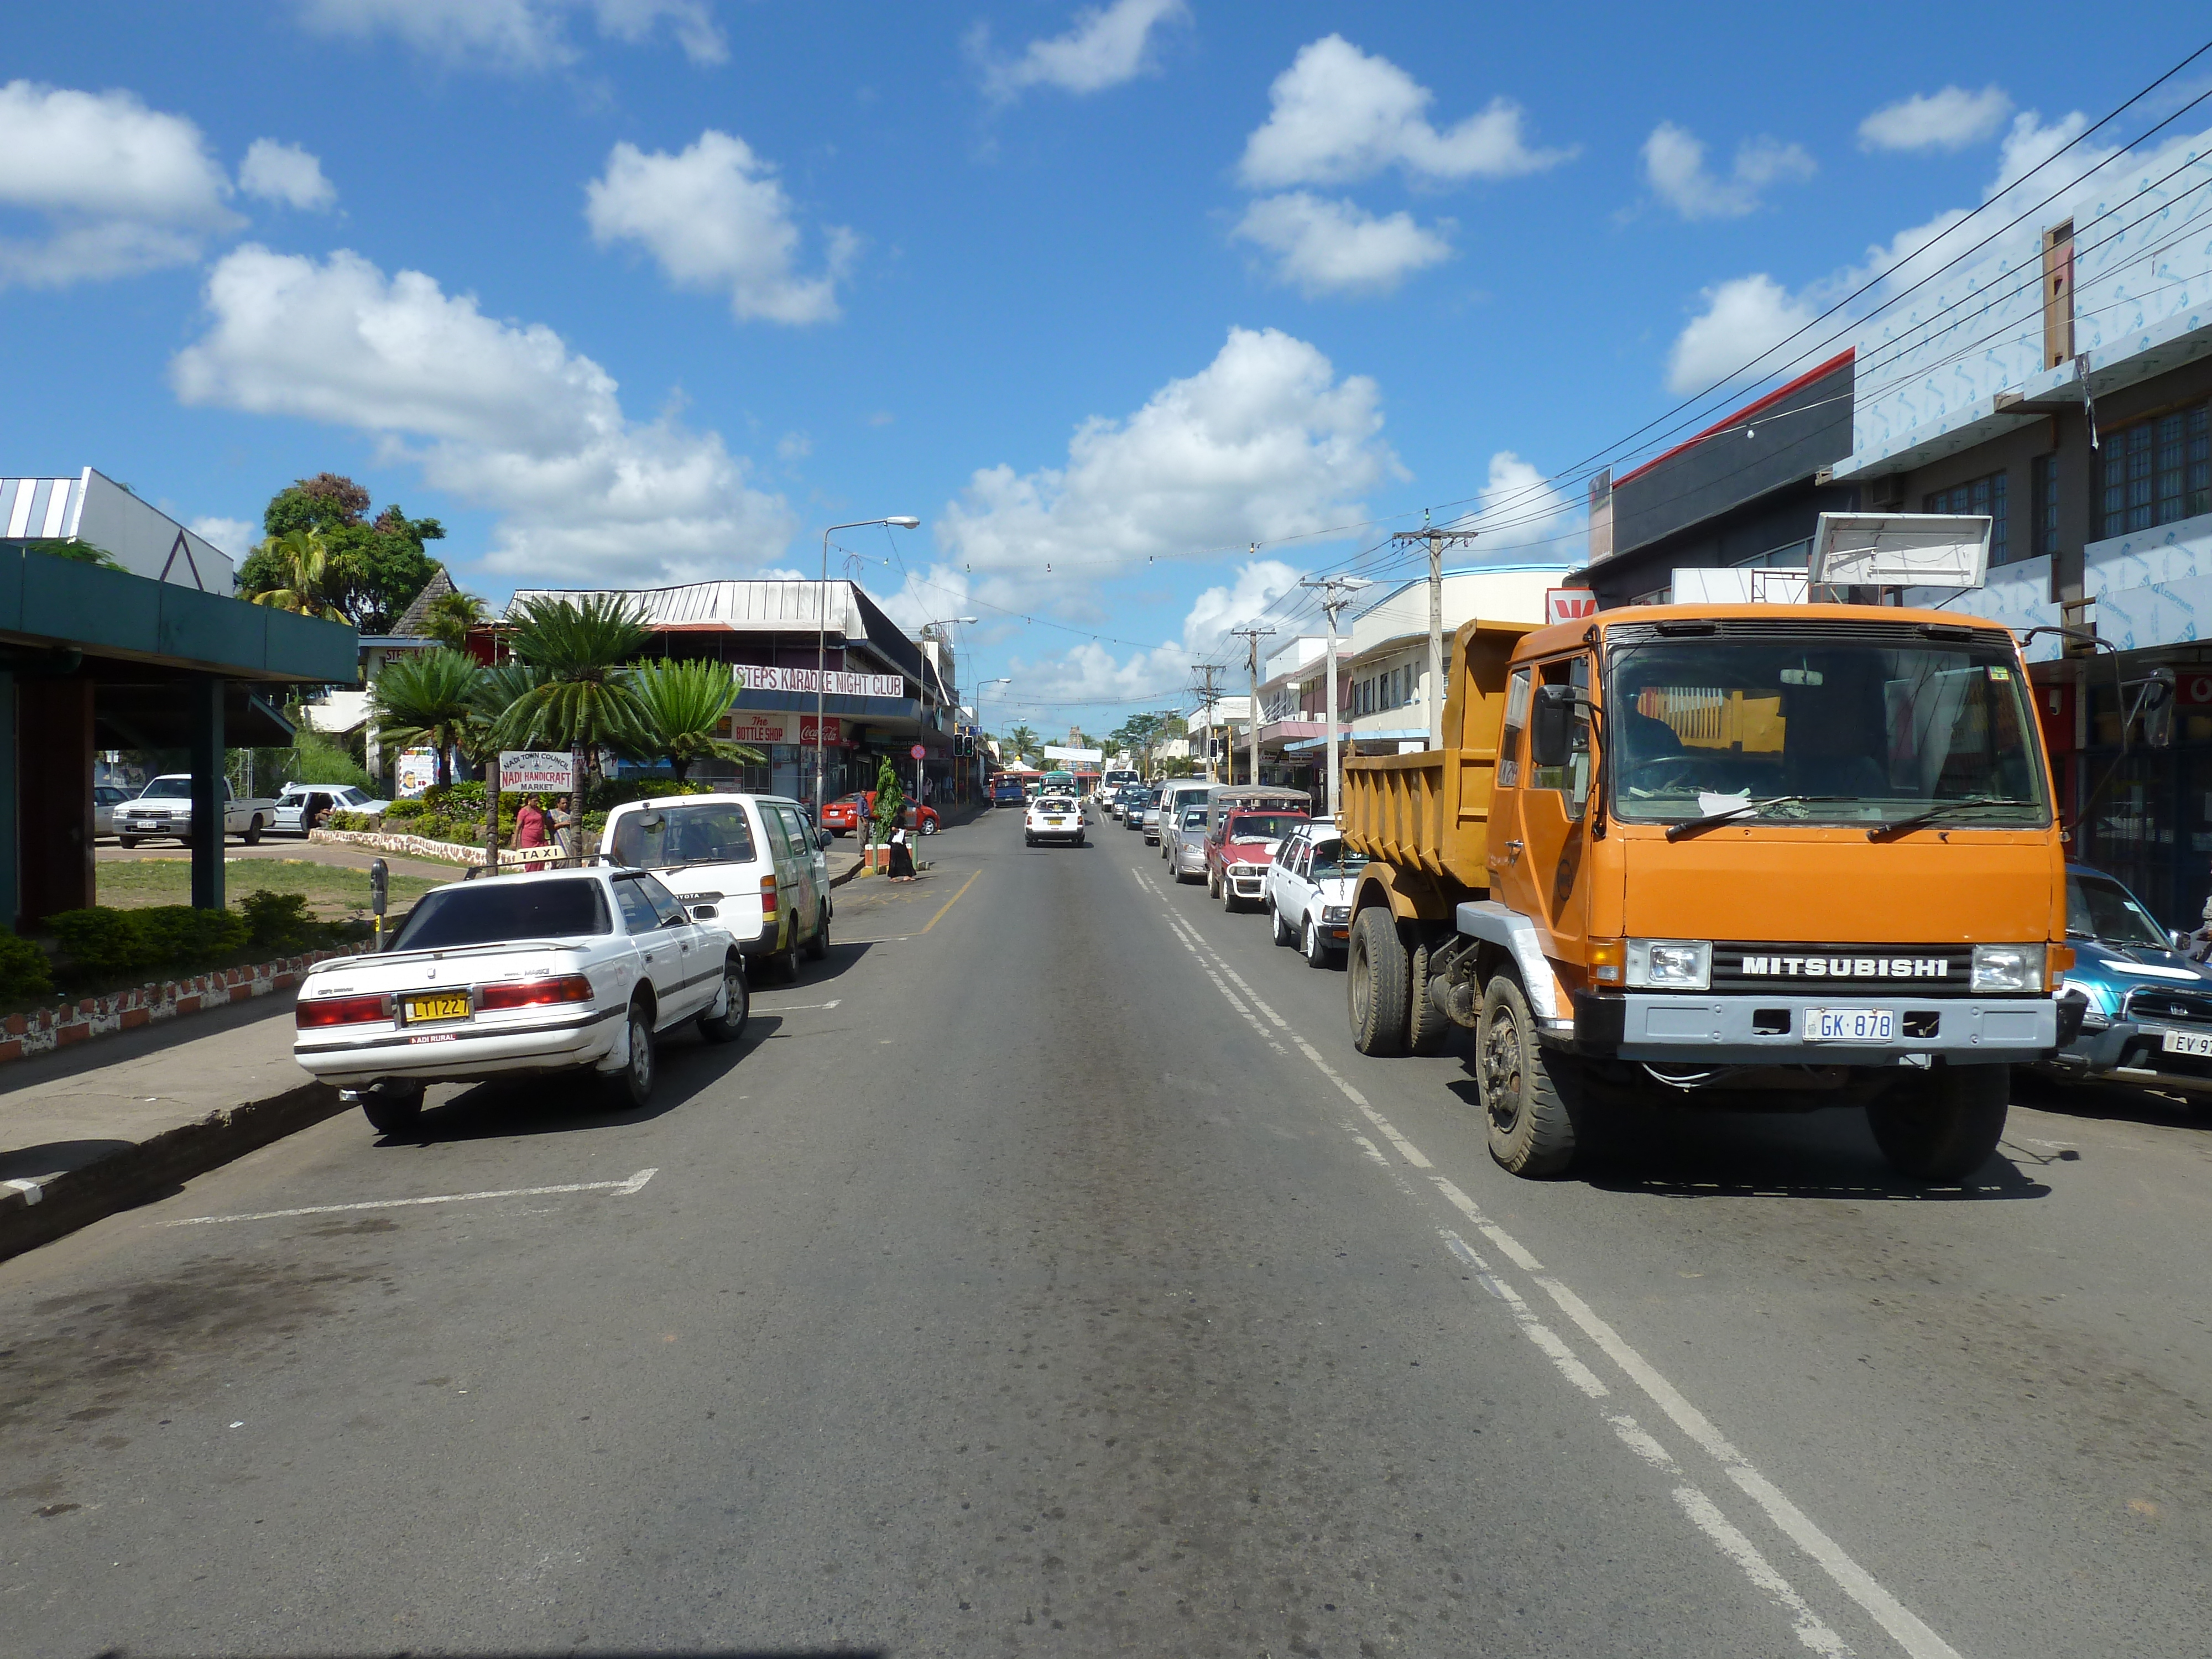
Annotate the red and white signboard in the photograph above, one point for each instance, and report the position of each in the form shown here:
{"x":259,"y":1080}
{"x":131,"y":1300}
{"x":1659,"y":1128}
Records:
{"x":918,"y":751}
{"x":2193,"y":689}
{"x":833,"y":683}
{"x":1564,"y":604}
{"x":536,"y":772}
{"x":763,"y":727}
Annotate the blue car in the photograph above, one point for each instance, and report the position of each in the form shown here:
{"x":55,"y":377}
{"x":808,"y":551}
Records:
{"x":2145,"y":1007}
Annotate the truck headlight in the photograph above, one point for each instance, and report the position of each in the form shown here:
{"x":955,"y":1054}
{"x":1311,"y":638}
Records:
{"x":2007,"y":968}
{"x":1669,"y":964}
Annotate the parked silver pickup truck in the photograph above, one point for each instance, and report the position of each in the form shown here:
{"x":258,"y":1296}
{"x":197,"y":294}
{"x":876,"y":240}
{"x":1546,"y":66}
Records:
{"x":164,"y":809}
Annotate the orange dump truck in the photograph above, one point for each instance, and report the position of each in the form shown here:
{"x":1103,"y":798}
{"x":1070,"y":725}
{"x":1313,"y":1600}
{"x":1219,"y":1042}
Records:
{"x":1759,"y":856}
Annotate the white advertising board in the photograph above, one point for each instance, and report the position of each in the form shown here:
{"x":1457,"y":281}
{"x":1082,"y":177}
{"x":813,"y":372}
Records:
{"x":834,"y":684}
{"x":536,"y":772}
{"x":416,"y":770}
{"x":762,"y":727}
{"x":1053,"y":751}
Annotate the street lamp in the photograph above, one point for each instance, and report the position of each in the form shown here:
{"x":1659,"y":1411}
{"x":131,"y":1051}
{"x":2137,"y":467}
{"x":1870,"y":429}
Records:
{"x":822,"y":641}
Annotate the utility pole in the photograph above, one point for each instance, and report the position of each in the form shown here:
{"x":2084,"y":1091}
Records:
{"x":1252,"y":637}
{"x":1436,"y":540}
{"x":1206,"y":692}
{"x":1336,"y":593}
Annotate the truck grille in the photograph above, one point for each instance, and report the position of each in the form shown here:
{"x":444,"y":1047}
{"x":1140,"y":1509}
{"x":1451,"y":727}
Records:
{"x":1915,"y":970}
{"x":2156,"y":1002}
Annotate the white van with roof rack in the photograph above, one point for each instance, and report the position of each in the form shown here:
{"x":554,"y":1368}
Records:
{"x":753,"y":857}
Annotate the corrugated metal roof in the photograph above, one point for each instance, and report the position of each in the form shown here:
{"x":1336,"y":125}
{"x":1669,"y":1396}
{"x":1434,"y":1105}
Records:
{"x":40,"y":508}
{"x":764,"y":606}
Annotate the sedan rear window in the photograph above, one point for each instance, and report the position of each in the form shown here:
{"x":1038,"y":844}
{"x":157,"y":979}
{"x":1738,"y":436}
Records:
{"x":497,"y":912}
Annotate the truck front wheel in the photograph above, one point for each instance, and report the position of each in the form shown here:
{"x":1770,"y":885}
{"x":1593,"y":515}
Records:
{"x":1377,"y":983}
{"x":1943,"y":1126}
{"x":1525,"y":1090}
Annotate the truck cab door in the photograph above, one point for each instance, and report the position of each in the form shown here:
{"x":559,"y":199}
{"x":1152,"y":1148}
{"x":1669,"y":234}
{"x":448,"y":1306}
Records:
{"x":1552,"y":885}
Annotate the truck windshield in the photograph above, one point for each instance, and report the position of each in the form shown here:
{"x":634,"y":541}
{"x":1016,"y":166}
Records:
{"x":1850,"y":733}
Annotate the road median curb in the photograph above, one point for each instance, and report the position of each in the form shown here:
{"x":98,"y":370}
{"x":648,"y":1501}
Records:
{"x":35,"y":1212}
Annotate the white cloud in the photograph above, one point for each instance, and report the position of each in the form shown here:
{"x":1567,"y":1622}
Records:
{"x":715,"y":218}
{"x":1950,"y":119}
{"x":1743,"y":319}
{"x":1674,"y":164}
{"x":1327,"y":246}
{"x":1338,"y":114}
{"x":517,"y":34}
{"x":793,"y":447}
{"x":236,"y":536}
{"x":286,"y":174}
{"x":1519,"y":506}
{"x":1107,"y":46}
{"x":1263,"y":443}
{"x":122,"y":188}
{"x":502,"y":415}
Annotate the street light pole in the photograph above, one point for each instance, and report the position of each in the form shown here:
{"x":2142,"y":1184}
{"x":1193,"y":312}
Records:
{"x":822,"y":643}
{"x":1336,"y":593}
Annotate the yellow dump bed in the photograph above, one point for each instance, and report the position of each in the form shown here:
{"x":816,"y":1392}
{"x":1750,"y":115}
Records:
{"x":1428,"y":814}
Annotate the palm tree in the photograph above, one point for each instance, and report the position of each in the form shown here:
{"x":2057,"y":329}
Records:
{"x":304,"y":584}
{"x":682,"y":704}
{"x":583,"y":699}
{"x":451,"y":616}
{"x":429,"y":699}
{"x":1020,"y":740}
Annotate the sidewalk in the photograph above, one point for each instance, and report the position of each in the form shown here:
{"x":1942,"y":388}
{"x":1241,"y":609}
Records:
{"x":85,"y":1131}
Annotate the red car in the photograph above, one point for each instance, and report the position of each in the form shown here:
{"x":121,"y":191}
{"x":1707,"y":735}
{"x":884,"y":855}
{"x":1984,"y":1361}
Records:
{"x":842,"y":817}
{"x":1239,"y":850}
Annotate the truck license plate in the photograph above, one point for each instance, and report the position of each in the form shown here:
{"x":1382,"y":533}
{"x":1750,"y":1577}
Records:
{"x":1850,"y":1024}
{"x":445,"y":1004}
{"x":2189,"y":1043}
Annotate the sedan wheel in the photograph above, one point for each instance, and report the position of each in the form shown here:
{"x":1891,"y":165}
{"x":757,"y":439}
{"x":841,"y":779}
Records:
{"x":929,"y":826}
{"x":633,"y":1085}
{"x":737,"y":1006}
{"x":393,"y":1108}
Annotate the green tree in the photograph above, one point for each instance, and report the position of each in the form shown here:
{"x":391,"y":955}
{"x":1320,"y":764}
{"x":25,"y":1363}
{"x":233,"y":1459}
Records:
{"x":890,"y":802}
{"x":450,"y":616}
{"x":584,"y":698}
{"x":374,"y":567}
{"x":429,"y":699}
{"x":293,"y":574}
{"x":681,"y":704}
{"x":1020,"y":742}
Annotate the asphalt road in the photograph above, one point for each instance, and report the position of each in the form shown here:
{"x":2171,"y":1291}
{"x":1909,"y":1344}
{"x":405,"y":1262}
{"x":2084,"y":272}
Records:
{"x":1046,"y":1273}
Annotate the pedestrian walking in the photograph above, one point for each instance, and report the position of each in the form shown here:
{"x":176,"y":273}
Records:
{"x":902,"y":856}
{"x":561,"y":820}
{"x":530,"y":823}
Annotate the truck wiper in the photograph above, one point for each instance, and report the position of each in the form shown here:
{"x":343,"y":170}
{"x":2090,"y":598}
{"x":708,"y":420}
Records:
{"x":1691,"y":826}
{"x":1898,"y":826}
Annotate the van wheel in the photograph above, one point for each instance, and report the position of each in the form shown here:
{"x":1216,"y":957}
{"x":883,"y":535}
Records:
{"x":1525,"y":1090}
{"x":737,"y":1005}
{"x":393,"y":1108}
{"x":1943,"y":1126}
{"x":1427,"y":1031}
{"x":818,"y":946}
{"x":632,"y":1086}
{"x":1376,"y":984}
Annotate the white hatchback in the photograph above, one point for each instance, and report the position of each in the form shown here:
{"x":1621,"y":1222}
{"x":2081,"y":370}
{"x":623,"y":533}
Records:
{"x":1054,"y":818}
{"x":753,"y":857}
{"x":1308,"y":892}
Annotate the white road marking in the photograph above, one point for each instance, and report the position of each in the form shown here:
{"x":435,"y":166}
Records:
{"x":793,"y":1007}
{"x":619,"y":1188}
{"x":1907,"y":1630}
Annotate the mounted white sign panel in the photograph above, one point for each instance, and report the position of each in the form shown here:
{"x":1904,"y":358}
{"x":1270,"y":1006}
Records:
{"x":1901,"y":550}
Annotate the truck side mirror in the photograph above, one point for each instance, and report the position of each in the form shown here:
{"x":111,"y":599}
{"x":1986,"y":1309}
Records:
{"x":1551,"y":725}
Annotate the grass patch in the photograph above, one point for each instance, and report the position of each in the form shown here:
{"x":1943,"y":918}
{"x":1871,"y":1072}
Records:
{"x":333,"y":892}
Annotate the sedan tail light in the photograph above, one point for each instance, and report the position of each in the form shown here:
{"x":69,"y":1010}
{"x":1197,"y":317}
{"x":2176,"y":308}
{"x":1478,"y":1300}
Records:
{"x":534,"y":992}
{"x":341,"y":1011}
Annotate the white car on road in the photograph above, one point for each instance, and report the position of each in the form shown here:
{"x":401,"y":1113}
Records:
{"x":755,"y":858}
{"x":294,"y":800}
{"x":1308,"y":892}
{"x":558,"y":970}
{"x":1054,"y":818}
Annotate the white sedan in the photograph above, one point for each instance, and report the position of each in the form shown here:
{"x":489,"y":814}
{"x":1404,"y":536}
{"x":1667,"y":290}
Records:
{"x":1308,"y":892}
{"x":1054,"y":818}
{"x":296,"y":801}
{"x":563,"y":970}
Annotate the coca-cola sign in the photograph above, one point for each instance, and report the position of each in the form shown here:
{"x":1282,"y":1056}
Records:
{"x":763,"y":727}
{"x":834,"y":684}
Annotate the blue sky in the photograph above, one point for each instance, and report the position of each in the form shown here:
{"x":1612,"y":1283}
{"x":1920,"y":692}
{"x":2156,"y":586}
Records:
{"x":632,"y":290}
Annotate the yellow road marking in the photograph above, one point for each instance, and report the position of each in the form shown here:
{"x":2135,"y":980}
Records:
{"x":949,"y":903}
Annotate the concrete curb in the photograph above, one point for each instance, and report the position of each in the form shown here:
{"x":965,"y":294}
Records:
{"x":158,"y":1001}
{"x":32,"y":1212}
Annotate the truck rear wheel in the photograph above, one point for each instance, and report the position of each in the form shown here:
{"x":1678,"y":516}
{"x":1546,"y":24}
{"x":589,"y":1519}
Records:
{"x":1943,"y":1126}
{"x":1426,"y":1029}
{"x":252,"y":835}
{"x":1377,"y":983}
{"x":1525,"y":1090}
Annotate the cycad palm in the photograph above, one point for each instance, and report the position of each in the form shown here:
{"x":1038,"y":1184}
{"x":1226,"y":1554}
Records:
{"x":681,"y":704}
{"x":583,"y":700}
{"x":304,"y":587}
{"x":429,"y":699}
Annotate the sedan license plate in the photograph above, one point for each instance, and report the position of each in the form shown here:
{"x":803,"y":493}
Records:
{"x":442,"y":1005}
{"x":1056,"y":823}
{"x":2189,"y":1043}
{"x":1850,"y":1025}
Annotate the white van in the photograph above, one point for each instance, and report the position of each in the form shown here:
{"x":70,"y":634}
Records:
{"x":749,"y":856}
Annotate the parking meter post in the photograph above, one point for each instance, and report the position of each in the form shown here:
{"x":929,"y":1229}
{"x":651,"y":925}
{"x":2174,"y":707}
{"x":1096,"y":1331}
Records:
{"x":380,"y":894}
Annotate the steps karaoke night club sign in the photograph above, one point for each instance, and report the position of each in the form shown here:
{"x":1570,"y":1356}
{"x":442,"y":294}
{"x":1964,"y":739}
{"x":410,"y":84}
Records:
{"x":834,"y":684}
